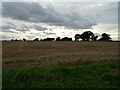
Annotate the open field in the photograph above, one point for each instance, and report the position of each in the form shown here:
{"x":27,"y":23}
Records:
{"x":60,"y":64}
{"x":25,"y":54}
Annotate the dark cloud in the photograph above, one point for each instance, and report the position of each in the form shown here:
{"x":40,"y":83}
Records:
{"x":34,"y":12}
{"x":17,"y":10}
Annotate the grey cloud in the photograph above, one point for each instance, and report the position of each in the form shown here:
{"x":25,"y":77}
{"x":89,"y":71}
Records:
{"x":109,"y":14}
{"x":6,"y":28}
{"x":31,"y":12}
{"x":49,"y":33}
{"x":16,"y":10}
{"x":39,"y":28}
{"x":9,"y":25}
{"x":7,"y":37}
{"x":34,"y":12}
{"x":23,"y":28}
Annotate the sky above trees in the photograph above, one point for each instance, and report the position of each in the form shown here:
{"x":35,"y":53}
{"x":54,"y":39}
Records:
{"x":58,"y":19}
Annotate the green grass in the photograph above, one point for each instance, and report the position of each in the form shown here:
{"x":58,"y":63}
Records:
{"x":97,"y":75}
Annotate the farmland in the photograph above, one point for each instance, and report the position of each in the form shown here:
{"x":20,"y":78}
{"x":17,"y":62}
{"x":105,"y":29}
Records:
{"x":47,"y":64}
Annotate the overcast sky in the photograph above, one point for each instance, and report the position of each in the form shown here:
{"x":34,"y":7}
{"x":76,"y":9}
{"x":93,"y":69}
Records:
{"x":51,"y":19}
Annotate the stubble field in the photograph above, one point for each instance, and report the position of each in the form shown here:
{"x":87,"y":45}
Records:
{"x":27,"y":54}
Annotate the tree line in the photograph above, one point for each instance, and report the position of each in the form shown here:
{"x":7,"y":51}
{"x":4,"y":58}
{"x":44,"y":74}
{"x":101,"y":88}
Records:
{"x":85,"y":36}
{"x":90,"y":36}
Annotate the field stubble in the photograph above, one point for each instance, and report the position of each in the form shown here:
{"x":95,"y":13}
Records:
{"x":28,"y":54}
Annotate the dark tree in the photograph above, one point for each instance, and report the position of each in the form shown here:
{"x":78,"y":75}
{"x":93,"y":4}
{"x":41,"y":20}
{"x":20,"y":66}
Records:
{"x":105,"y":37}
{"x":86,"y":35}
{"x":94,"y":37}
{"x":24,"y":39}
{"x":66,"y":39}
{"x":16,"y":40}
{"x":58,"y":39}
{"x":48,"y":39}
{"x":12,"y":39}
{"x":77,"y":37}
{"x":36,"y":39}
{"x":41,"y":40}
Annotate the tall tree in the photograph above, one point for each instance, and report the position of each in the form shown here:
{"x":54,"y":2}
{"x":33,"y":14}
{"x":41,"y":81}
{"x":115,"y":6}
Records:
{"x":24,"y":39}
{"x":94,"y":37}
{"x":58,"y":39}
{"x":36,"y":39}
{"x":77,"y":37}
{"x":105,"y":37}
{"x":85,"y":36}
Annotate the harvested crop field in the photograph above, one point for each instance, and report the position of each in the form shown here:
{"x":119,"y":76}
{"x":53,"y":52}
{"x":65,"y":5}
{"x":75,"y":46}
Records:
{"x":25,"y":54}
